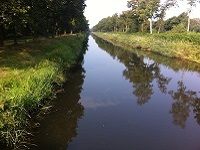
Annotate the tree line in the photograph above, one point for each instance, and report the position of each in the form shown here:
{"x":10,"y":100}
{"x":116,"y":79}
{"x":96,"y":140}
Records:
{"x":37,"y":18}
{"x":146,"y":15}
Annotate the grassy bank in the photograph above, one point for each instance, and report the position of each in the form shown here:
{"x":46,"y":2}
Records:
{"x":183,"y":46}
{"x":29,"y":73}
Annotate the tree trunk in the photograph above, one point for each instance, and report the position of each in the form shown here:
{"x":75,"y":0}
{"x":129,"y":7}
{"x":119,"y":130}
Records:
{"x":15,"y":34}
{"x":65,"y":32}
{"x":126,"y":28}
{"x":151,"y":30}
{"x":53,"y":31}
{"x":188,"y":27}
{"x":159,"y":27}
{"x":1,"y":35}
{"x":142,"y":27}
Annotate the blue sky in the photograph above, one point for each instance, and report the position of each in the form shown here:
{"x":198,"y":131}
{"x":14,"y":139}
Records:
{"x":99,"y":9}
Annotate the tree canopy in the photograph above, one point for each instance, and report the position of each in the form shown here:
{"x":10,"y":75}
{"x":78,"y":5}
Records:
{"x":144,"y":15}
{"x":41,"y":18}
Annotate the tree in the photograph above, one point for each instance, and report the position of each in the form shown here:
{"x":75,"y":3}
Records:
{"x":144,"y":9}
{"x":1,"y":34}
{"x":174,"y":21}
{"x":41,"y":18}
{"x":127,"y":18}
{"x":191,"y":3}
{"x":13,"y":16}
{"x":162,"y":11}
{"x":195,"y":25}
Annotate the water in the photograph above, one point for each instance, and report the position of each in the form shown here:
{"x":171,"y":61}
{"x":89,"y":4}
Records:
{"x":125,"y":101}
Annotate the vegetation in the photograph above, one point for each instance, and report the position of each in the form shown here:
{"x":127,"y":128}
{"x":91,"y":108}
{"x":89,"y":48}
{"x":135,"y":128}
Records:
{"x":29,"y":73}
{"x":126,"y":23}
{"x":37,"y":18}
{"x":184,"y":46}
{"x":173,"y":40}
{"x":149,"y":15}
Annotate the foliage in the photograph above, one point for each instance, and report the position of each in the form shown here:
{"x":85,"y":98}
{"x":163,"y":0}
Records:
{"x":174,"y":21}
{"x":144,"y":10}
{"x":124,"y":23}
{"x":29,"y":74}
{"x":41,"y":18}
{"x":180,"y":28}
{"x":162,"y":12}
{"x":137,"y":19}
{"x":183,"y":37}
{"x":127,"y":22}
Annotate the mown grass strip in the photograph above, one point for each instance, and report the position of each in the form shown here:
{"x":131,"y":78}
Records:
{"x":183,"y":46}
{"x":28,"y":75}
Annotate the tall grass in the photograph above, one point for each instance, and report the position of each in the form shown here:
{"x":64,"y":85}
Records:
{"x":180,"y":45}
{"x":28,"y":75}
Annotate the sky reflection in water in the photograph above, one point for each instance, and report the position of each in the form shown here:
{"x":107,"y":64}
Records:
{"x":137,"y":101}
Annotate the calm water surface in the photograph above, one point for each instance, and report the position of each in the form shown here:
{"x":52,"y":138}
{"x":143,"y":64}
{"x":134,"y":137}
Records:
{"x":117,"y":100}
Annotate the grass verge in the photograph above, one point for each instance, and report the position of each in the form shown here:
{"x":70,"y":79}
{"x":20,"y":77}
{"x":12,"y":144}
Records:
{"x":29,"y":73}
{"x":183,"y":46}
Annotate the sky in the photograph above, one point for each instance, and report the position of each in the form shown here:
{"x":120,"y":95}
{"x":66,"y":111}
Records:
{"x":99,"y":9}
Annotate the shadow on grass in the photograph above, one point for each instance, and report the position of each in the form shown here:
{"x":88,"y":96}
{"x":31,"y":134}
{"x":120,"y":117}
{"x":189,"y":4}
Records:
{"x":23,"y":56}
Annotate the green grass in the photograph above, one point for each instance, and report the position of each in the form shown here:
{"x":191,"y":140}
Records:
{"x":183,"y":46}
{"x":29,"y":73}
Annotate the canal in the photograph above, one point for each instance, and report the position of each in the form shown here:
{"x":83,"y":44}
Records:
{"x":122,"y":100}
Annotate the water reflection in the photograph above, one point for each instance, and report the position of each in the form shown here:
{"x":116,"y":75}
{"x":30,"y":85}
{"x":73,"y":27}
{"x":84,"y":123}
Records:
{"x":184,"y":101}
{"x":144,"y":72}
{"x":58,"y":128}
{"x":89,"y":102}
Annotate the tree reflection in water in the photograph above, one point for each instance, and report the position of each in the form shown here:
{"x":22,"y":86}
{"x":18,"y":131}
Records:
{"x":185,"y":100}
{"x":141,"y":75}
{"x":142,"y":72}
{"x":181,"y":108}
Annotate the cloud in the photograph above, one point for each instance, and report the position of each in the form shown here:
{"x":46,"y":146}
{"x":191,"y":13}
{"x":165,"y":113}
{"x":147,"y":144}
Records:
{"x":89,"y":102}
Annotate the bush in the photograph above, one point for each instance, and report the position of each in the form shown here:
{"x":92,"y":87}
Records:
{"x":180,"y":28}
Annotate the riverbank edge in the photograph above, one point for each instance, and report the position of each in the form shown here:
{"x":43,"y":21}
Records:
{"x":25,"y":90}
{"x":152,"y":43}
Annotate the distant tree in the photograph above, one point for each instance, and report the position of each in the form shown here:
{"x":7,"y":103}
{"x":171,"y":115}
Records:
{"x":127,"y":18}
{"x":144,"y":9}
{"x":191,"y":3}
{"x":195,"y":25}
{"x":180,"y":28}
{"x":174,"y":21}
{"x":162,"y":12}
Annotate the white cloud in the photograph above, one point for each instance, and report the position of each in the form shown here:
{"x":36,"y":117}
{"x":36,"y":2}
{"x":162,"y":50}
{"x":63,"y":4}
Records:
{"x":89,"y":102}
